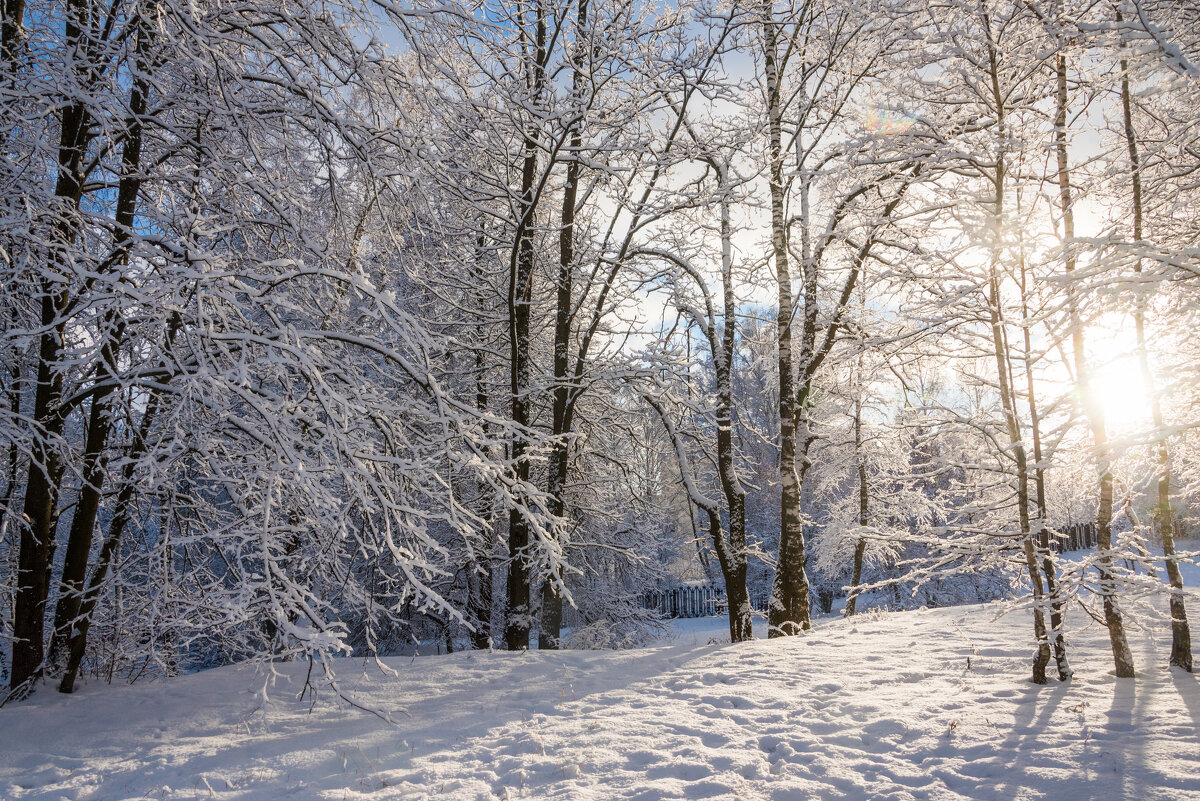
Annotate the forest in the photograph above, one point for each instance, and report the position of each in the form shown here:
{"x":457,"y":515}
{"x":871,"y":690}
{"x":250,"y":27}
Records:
{"x":358,"y":328}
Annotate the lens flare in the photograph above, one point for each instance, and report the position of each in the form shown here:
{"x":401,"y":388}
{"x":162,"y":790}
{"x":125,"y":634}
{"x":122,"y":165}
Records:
{"x":887,"y":121}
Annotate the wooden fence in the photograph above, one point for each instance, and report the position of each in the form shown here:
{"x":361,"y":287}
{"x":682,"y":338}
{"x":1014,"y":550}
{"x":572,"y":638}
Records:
{"x":1075,"y":537}
{"x":695,"y":600}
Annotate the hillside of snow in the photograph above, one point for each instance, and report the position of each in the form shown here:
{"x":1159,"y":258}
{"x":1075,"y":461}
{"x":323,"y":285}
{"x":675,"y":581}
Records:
{"x":933,"y":704}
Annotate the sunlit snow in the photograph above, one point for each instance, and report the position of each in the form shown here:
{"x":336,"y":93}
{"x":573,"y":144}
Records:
{"x":932,"y":704}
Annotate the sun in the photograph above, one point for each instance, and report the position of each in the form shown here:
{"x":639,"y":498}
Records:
{"x":1119,"y":387}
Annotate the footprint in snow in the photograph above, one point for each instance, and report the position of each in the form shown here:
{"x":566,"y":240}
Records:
{"x":716,"y":678}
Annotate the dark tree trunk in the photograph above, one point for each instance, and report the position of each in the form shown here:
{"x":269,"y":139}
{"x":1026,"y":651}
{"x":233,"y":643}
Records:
{"x":789,"y":612}
{"x":519,"y":617}
{"x":479,"y":604}
{"x":561,"y":415}
{"x":480,"y":573}
{"x":730,"y":548}
{"x":11,"y":32}
{"x":860,"y":548}
{"x":83,"y":522}
{"x":45,"y":469}
{"x":734,"y":560}
{"x":122,"y":511}
{"x":10,"y":478}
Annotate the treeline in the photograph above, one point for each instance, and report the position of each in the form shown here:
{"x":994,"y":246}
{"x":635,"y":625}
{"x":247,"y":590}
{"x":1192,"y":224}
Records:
{"x":328,"y":326}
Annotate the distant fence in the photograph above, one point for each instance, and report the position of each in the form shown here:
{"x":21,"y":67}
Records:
{"x":695,"y":600}
{"x":1078,"y":536}
{"x":1075,"y":537}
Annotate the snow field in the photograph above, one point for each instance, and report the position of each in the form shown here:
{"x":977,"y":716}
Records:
{"x":933,"y":704}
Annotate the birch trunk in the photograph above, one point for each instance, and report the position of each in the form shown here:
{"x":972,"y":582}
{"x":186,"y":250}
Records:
{"x":1093,"y":410}
{"x":1005,"y":377}
{"x":1053,"y":587}
{"x":1164,"y":518}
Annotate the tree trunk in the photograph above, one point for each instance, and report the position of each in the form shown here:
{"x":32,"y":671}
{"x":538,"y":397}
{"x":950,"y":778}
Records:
{"x":1164,"y":519}
{"x":1053,"y":587}
{"x":83,"y":522}
{"x":561,"y":417}
{"x":11,"y":471}
{"x":789,"y":612}
{"x":734,"y":561}
{"x":860,"y":547}
{"x":12,"y":30}
{"x":1007,"y":399}
{"x":479,"y":574}
{"x":1122,"y":656}
{"x":519,"y":618}
{"x":45,"y":469}
{"x":479,"y":605}
{"x":122,"y":511}
{"x":1005,"y":381}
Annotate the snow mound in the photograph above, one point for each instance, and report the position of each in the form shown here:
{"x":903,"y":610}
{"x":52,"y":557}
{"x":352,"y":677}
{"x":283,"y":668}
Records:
{"x":932,"y":704}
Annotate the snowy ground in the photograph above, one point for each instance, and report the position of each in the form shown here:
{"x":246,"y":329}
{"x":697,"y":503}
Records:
{"x":932,"y":704}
